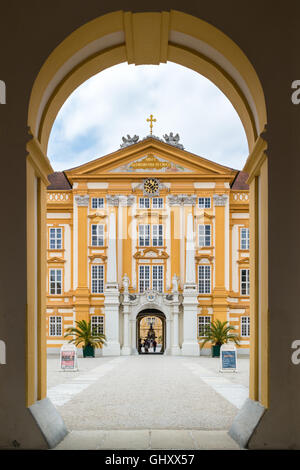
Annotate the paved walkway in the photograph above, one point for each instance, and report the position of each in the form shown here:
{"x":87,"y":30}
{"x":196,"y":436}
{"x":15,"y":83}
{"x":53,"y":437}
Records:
{"x":148,"y":401}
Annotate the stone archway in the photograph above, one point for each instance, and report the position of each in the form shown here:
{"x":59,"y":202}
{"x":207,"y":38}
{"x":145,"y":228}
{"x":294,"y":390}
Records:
{"x":145,"y":38}
{"x":159,"y":330}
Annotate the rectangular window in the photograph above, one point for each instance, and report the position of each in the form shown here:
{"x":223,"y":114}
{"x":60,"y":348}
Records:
{"x":158,"y":278}
{"x":244,"y":239}
{"x":157,"y":203}
{"x":245,"y":282}
{"x":55,"y":281}
{"x":204,"y":202}
{"x":55,"y":238}
{"x":204,"y":235}
{"x":97,"y":279}
{"x":245,"y":326}
{"x":144,"y":278}
{"x":55,"y":326}
{"x":97,"y":324}
{"x":144,"y":203}
{"x":144,"y":235}
{"x":204,"y":279}
{"x":97,"y":202}
{"x":203,"y":325}
{"x":151,"y":320}
{"x":98,"y":235}
{"x":157,"y":235}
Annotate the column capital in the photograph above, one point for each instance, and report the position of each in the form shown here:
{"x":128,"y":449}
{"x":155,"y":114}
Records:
{"x":82,"y":201}
{"x":112,"y":200}
{"x":220,"y":199}
{"x":182,"y":199}
{"x":126,"y":201}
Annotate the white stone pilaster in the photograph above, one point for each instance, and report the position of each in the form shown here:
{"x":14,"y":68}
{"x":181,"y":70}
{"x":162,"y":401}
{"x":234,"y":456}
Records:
{"x":111,"y":293}
{"x":190,"y":346}
{"x":175,"y":349}
{"x":126,"y":350}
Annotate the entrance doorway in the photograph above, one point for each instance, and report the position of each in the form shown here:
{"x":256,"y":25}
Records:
{"x":151,"y":332}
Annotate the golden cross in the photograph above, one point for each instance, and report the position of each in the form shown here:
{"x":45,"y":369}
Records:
{"x":151,"y":120}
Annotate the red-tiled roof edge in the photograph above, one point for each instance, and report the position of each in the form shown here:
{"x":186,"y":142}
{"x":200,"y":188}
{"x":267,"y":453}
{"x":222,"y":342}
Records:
{"x":239,"y":182}
{"x":59,"y":181}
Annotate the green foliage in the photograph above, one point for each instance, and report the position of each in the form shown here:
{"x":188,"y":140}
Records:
{"x":219,"y":333}
{"x":84,"y":335}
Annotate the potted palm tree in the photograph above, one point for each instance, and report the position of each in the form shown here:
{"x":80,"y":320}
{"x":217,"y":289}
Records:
{"x":218,"y":333}
{"x":88,"y":337}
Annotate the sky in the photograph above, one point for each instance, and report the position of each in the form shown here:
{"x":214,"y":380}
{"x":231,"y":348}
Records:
{"x":118,"y":101}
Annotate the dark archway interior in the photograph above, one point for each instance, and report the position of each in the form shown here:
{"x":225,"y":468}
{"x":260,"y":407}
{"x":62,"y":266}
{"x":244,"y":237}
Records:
{"x":151,"y":333}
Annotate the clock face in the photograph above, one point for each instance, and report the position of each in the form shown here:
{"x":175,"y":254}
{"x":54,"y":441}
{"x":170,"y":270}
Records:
{"x":151,"y":186}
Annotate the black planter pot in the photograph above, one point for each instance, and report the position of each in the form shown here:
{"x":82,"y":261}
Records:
{"x":88,"y":351}
{"x":215,"y":350}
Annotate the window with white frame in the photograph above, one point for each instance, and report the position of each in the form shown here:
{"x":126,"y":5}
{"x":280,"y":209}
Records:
{"x":144,"y":278}
{"x":245,"y":281}
{"x":204,"y":232}
{"x":55,"y":326}
{"x":55,"y":281}
{"x":144,"y":235}
{"x":244,"y":239}
{"x":203,"y":325}
{"x":204,"y":203}
{"x":97,"y":279}
{"x":97,"y":324}
{"x":158,"y":278}
{"x":97,"y":202}
{"x":157,"y":203}
{"x":55,"y":235}
{"x":204,"y":279}
{"x":245,"y":326}
{"x":150,"y":320}
{"x":97,"y":235}
{"x":157,"y":235}
{"x":144,"y":203}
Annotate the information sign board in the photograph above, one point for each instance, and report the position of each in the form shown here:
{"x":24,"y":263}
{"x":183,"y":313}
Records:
{"x":68,"y":357}
{"x":228,"y":358}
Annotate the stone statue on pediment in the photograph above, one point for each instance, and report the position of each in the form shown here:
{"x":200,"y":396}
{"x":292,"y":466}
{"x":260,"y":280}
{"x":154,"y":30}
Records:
{"x":129,"y":140}
{"x":173,"y":140}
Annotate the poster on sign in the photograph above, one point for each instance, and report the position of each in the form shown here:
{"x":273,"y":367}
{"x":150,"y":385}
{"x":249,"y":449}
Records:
{"x":228,"y":358}
{"x":68,"y":358}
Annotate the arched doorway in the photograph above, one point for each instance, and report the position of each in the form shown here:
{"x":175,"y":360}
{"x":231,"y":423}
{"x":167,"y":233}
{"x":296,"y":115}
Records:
{"x":150,"y":327}
{"x":146,"y":38}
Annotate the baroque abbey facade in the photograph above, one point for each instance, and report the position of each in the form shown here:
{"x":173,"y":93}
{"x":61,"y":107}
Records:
{"x":150,"y":230}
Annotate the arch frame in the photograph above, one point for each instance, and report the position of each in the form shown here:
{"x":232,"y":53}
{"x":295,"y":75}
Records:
{"x":157,"y":313}
{"x":145,"y":38}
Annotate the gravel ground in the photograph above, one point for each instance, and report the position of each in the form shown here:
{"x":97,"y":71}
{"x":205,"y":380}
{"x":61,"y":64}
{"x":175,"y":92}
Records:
{"x":146,"y":392}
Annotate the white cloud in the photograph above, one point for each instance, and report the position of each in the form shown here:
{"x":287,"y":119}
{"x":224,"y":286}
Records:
{"x":117,"y":102}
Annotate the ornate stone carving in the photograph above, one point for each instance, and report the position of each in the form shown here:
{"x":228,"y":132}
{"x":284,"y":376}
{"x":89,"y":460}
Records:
{"x":82,"y":201}
{"x":173,"y":140}
{"x":220,"y":199}
{"x":169,"y":297}
{"x":182,"y":200}
{"x":129,"y":140}
{"x":126,"y":201}
{"x":151,"y":253}
{"x":112,"y":200}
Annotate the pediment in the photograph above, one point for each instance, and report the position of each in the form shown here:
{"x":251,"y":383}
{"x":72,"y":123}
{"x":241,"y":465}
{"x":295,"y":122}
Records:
{"x":56,"y":259}
{"x":151,"y":253}
{"x":148,"y":157}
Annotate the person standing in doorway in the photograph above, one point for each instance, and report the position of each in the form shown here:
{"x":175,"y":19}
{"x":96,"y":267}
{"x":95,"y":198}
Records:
{"x":154,"y":345}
